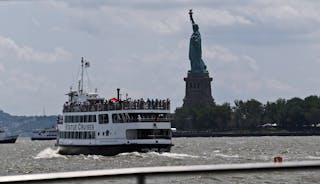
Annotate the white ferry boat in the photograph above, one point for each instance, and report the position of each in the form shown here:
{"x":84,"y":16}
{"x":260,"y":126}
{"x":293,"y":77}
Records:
{"x":94,"y":125}
{"x":44,"y":134}
{"x":5,"y":138}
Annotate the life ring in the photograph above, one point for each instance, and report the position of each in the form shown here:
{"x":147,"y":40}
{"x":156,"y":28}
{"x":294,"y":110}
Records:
{"x":277,"y":159}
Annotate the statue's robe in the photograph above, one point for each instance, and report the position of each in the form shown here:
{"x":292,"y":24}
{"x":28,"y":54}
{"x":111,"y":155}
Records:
{"x":195,"y":53}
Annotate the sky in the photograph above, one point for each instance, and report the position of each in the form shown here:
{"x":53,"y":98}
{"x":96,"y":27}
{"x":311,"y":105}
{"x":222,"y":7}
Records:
{"x":261,"y":49}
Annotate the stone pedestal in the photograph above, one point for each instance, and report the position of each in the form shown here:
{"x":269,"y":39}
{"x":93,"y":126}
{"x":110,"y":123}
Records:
{"x":198,"y":90}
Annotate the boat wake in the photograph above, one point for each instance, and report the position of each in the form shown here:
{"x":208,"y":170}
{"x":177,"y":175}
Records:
{"x":313,"y":157}
{"x":91,"y":157}
{"x":173,"y":155}
{"x":49,"y":153}
{"x":137,"y":154}
{"x":157,"y":154}
{"x":226,"y":156}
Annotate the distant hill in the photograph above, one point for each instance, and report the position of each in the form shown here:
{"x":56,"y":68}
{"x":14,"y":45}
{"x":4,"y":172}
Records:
{"x":24,"y":125}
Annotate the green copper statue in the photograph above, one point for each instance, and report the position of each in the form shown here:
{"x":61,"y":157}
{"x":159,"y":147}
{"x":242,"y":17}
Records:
{"x":195,"y":53}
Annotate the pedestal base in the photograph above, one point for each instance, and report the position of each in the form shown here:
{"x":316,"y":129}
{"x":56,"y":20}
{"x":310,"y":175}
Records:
{"x":198,"y":90}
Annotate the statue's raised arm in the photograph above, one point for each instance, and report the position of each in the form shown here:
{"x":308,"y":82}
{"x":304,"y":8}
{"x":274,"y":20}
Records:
{"x":191,"y":18}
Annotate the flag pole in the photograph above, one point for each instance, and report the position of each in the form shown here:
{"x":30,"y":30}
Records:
{"x":81,"y":91}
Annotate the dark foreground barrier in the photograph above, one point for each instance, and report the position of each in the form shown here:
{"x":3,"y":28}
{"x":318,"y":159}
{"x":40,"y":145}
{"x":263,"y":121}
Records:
{"x":142,"y":172}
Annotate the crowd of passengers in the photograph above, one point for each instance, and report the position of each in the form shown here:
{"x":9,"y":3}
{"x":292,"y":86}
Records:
{"x":116,"y":105}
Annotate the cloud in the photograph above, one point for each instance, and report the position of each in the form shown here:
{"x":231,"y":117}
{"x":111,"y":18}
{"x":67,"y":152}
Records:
{"x":168,"y":20}
{"x":239,"y":76}
{"x":26,"y":53}
{"x":26,"y":82}
{"x":285,"y":11}
{"x":2,"y":69}
{"x":219,"y":53}
{"x":279,"y":86}
{"x":216,"y":17}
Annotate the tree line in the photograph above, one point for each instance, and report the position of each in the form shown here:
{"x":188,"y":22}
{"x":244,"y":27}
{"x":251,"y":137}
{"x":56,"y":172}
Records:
{"x":293,"y":115}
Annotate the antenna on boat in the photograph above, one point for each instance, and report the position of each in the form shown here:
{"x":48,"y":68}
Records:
{"x":44,"y":111}
{"x":81,"y":89}
{"x":84,"y":64}
{"x":118,"y":93}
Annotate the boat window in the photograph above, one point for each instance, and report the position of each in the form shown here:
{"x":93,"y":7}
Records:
{"x":148,"y":134}
{"x":66,"y":118}
{"x":81,"y":119}
{"x":103,"y":118}
{"x":148,"y":117}
{"x":115,"y":118}
{"x":91,"y":118}
{"x":79,"y":135}
{"x":121,"y":118}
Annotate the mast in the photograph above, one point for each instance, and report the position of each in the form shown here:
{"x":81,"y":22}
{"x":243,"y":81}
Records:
{"x":81,"y":89}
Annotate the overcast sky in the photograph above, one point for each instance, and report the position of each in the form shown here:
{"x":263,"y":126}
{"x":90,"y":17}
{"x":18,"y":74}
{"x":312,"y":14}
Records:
{"x":262,"y":49}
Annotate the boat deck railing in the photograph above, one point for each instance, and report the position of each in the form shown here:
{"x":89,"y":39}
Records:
{"x":117,"y":105}
{"x":140,"y":173}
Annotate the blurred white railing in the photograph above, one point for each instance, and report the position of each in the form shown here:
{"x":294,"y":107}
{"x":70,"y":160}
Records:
{"x":142,"y":172}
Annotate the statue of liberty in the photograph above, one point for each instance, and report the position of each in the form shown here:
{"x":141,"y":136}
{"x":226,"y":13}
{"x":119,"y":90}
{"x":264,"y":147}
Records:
{"x":195,"y":53}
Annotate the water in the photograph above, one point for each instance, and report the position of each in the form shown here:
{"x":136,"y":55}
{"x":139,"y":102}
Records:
{"x":28,"y":156}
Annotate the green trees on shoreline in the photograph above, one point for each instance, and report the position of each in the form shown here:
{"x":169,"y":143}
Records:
{"x":293,"y":115}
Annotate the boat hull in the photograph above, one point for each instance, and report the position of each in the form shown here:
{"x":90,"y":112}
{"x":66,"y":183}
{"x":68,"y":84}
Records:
{"x":10,"y":140}
{"x":42,"y":138}
{"x":110,"y":150}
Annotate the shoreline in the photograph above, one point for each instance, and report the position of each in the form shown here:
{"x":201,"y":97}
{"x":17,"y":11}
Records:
{"x":253,"y":134}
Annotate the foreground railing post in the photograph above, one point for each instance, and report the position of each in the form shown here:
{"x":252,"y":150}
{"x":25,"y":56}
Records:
{"x":141,"y":179}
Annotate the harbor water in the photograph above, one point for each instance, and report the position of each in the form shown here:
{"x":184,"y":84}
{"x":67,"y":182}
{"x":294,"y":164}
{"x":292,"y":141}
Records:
{"x":29,"y":157}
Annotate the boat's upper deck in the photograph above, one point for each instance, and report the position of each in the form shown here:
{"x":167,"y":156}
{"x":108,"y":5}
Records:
{"x":109,"y":105}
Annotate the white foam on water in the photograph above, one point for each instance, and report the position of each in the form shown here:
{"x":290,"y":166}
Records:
{"x":49,"y":153}
{"x":173,"y":155}
{"x":137,"y":154}
{"x":91,"y":157}
{"x":164,"y":154}
{"x":94,"y":157}
{"x":313,"y":157}
{"x":227,"y":156}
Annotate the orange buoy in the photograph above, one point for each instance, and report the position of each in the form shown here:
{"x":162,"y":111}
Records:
{"x":277,"y":159}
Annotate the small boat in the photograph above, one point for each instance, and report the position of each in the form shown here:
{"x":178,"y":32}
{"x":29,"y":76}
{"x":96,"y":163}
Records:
{"x":5,"y":138}
{"x":44,"y":134}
